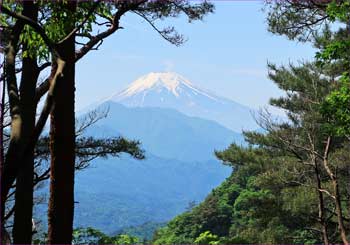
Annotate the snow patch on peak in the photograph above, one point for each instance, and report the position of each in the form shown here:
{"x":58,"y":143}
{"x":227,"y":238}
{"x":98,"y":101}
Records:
{"x":169,"y":80}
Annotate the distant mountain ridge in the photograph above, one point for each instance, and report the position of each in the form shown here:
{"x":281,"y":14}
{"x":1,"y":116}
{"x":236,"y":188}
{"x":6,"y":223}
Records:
{"x":166,"y":133}
{"x":171,"y":90}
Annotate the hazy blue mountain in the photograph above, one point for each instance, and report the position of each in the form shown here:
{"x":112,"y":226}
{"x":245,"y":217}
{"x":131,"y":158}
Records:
{"x":171,"y":90}
{"x":179,"y":168}
{"x":118,"y":193}
{"x":166,"y":133}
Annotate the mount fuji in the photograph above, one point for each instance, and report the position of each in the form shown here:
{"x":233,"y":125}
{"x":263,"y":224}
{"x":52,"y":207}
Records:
{"x":171,"y":90}
{"x":180,"y":126}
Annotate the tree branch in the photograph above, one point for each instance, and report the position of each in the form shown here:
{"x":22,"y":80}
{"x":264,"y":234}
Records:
{"x":91,"y":11}
{"x":177,"y":39}
{"x":40,"y":30}
{"x":126,"y":6}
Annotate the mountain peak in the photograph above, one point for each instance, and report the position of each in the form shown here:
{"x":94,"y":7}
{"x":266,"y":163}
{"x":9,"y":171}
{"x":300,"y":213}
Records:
{"x":169,"y":80}
{"x":171,"y":90}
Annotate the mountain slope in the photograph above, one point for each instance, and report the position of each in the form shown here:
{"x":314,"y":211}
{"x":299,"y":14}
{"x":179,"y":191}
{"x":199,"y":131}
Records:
{"x":179,"y":168}
{"x":127,"y":192}
{"x":165,"y":132}
{"x":170,"y":90}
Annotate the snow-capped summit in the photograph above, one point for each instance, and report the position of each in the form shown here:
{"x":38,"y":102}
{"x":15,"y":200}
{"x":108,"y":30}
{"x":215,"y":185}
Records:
{"x":171,"y":90}
{"x":173,"y":82}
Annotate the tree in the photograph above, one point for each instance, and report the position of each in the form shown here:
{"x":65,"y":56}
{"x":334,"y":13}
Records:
{"x":62,"y":139}
{"x":336,"y":106}
{"x":292,"y":181}
{"x":48,"y":36}
{"x":333,"y":45}
{"x":307,"y":86}
{"x":93,"y":236}
{"x":22,"y":231}
{"x":289,"y":185}
{"x":206,"y":238}
{"x":87,"y":149}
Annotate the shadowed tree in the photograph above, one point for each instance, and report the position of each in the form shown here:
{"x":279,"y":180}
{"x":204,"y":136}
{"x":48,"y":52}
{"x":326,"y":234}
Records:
{"x":311,"y":21}
{"x":87,"y":149}
{"x":53,"y":35}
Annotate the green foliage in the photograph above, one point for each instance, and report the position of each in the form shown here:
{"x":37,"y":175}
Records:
{"x":336,"y":108}
{"x":332,"y":51}
{"x":93,"y":236}
{"x":339,"y":10}
{"x":207,"y":238}
{"x":297,"y":20}
{"x":58,"y":21}
{"x":144,"y":232}
{"x":324,"y":23}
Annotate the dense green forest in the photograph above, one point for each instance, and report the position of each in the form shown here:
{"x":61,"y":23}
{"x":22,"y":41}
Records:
{"x":289,"y":183}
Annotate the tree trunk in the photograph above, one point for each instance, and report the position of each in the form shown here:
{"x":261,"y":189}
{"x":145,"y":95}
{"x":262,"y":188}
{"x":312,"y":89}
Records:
{"x":339,"y":212}
{"x":8,"y":169}
{"x":22,"y":226}
{"x":336,"y":193}
{"x":62,"y":148}
{"x":321,"y":209}
{"x":2,"y":111}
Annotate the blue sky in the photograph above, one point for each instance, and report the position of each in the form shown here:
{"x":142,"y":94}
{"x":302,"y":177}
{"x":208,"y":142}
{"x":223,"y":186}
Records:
{"x":227,"y":53}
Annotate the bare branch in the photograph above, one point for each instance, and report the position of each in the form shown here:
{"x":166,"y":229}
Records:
{"x":168,"y":34}
{"x":88,"y":120}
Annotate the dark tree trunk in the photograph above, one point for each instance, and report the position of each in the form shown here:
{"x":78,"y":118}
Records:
{"x":339,"y":211}
{"x":62,"y":148}
{"x":22,"y":227}
{"x":8,"y":169}
{"x":2,"y":112}
{"x":336,"y":194}
{"x":321,"y":207}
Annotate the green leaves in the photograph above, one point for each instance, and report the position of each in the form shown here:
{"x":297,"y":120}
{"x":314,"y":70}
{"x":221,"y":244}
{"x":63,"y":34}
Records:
{"x":93,"y":236}
{"x":336,"y":109}
{"x":335,"y":50}
{"x":339,"y":11}
{"x":35,"y":45}
{"x":207,"y":238}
